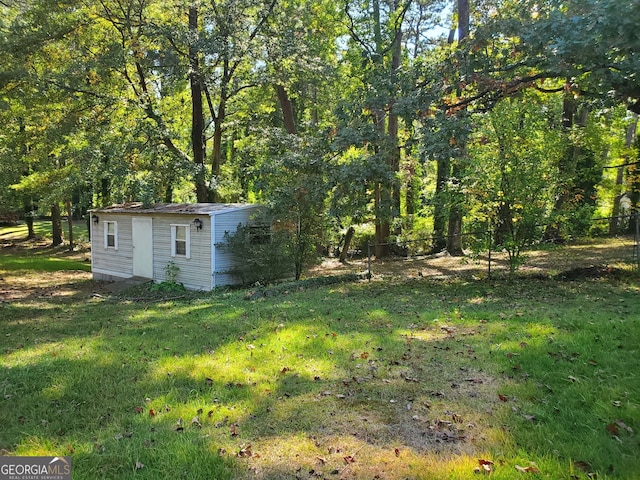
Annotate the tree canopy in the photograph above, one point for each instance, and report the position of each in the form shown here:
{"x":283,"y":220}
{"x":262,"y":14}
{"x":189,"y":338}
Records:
{"x":411,"y":118}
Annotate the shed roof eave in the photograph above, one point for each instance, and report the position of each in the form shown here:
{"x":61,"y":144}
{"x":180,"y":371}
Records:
{"x":210,"y":209}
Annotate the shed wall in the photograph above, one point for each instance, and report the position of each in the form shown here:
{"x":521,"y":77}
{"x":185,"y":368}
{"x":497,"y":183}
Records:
{"x":228,"y":222}
{"x":207,"y":265}
{"x":194,"y":272}
{"x":109,"y":262}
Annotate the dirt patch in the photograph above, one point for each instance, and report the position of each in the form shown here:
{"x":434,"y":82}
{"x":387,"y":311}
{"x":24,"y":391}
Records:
{"x":594,"y":259}
{"x":592,"y":271}
{"x":550,"y":261}
{"x":30,"y":284}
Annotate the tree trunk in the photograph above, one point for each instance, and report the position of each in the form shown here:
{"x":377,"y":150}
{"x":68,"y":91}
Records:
{"x":70,"y":225}
{"x":383,"y":229}
{"x":347,"y":243}
{"x":287,"y":110}
{"x":28,"y":218}
{"x":56,"y":225}
{"x":168,"y":194}
{"x":454,"y":231}
{"x":393,"y":127}
{"x":566,"y":169}
{"x":454,"y":234}
{"x":197,"y":115}
{"x":216,"y":154}
{"x":439,"y":209}
{"x":26,"y":200}
{"x":614,"y":223}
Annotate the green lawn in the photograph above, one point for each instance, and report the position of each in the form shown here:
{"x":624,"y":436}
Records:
{"x":43,"y":229}
{"x":417,"y":379}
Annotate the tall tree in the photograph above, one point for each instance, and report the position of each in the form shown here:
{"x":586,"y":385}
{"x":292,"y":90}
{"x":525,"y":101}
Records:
{"x":376,"y":30}
{"x":454,"y":234}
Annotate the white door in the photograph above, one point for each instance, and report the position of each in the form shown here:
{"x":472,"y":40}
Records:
{"x":142,"y":233}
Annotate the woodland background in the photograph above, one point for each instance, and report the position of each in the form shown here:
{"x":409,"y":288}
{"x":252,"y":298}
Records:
{"x":403,"y":119}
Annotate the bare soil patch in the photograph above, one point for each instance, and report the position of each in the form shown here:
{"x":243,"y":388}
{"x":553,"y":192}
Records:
{"x":588,"y":259}
{"x":604,"y":256}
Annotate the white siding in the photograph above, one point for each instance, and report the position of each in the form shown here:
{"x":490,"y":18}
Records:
{"x":194,"y":272}
{"x":203,"y":269}
{"x":109,"y":261}
{"x":228,"y":222}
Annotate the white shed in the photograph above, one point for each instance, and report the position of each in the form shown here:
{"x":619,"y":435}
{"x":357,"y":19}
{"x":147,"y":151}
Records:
{"x":133,"y":240}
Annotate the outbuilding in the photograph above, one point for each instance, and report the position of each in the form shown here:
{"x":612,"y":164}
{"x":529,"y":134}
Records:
{"x":160,"y":242}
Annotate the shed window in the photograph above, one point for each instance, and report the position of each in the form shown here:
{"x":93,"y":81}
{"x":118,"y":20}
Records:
{"x":260,"y":234}
{"x":181,"y":241}
{"x":111,"y":235}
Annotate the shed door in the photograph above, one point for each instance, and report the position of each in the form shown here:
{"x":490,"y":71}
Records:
{"x":142,"y":233}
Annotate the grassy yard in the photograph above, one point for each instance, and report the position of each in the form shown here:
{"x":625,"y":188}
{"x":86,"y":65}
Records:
{"x":517,"y":377}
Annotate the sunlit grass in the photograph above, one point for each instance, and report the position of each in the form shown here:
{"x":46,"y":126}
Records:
{"x":413,"y":379}
{"x":40,"y":264}
{"x":42,"y":229}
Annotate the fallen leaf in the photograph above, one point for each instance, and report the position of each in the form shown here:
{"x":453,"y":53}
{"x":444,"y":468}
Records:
{"x":195,"y":421}
{"x":612,"y":428}
{"x":617,"y":403}
{"x":285,"y":370}
{"x":138,"y":409}
{"x":234,"y":430}
{"x":503,"y":398}
{"x":584,"y":466}
{"x":245,"y":452}
{"x":397,"y":452}
{"x":321,"y":460}
{"x":486,"y":466}
{"x":349,"y":459}
{"x":572,"y":378}
{"x":152,"y":412}
{"x":529,"y":469}
{"x":208,"y":381}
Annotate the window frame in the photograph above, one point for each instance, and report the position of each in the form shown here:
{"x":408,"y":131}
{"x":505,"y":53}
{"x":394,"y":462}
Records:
{"x":106,"y":224}
{"x":260,"y":233}
{"x":174,"y":240}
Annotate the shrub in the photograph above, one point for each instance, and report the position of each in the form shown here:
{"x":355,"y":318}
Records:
{"x":266,"y":254}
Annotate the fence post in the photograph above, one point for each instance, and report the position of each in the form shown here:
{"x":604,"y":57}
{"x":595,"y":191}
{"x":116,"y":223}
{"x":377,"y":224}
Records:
{"x":369,"y":260}
{"x":490,"y":244}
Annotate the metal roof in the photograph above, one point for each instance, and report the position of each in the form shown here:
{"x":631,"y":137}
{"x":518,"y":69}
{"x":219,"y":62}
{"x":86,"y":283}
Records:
{"x":175,"y":208}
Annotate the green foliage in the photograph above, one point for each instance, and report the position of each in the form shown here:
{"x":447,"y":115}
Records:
{"x":509,"y":181}
{"x":170,"y":284}
{"x":95,"y":104}
{"x":263,"y":250}
{"x":293,"y":184}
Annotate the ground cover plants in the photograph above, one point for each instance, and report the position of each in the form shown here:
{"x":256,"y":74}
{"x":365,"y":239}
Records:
{"x":513,"y":377}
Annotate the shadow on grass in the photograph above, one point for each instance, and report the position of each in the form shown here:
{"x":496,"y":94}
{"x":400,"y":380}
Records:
{"x":184,"y":387}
